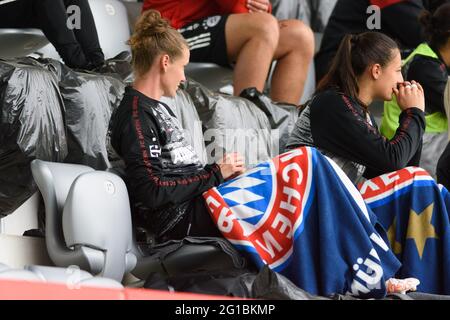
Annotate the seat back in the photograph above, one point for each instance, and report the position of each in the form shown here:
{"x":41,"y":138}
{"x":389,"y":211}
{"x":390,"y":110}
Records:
{"x":134,"y":10}
{"x":120,"y":172}
{"x":20,"y":42}
{"x":88,"y":221}
{"x":97,"y":216}
{"x":54,"y":181}
{"x":111,"y":21}
{"x":212,"y":76}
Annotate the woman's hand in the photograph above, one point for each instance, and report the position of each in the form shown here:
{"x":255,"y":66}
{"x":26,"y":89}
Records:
{"x":258,"y":5}
{"x":410,"y":95}
{"x":231,"y":165}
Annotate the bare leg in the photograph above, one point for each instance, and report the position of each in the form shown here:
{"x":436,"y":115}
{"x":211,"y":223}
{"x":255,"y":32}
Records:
{"x":294,"y":54}
{"x":251,"y":43}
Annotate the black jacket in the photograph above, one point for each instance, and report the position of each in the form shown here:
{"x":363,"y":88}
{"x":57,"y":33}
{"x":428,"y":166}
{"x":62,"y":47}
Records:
{"x":443,"y":168}
{"x":432,"y":74}
{"x":163,"y":173}
{"x":339,"y":127}
{"x":399,"y":20}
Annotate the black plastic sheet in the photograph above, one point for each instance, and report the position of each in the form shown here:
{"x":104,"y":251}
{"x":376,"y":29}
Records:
{"x":31,"y":126}
{"x":119,"y":67}
{"x":232,"y":124}
{"x":282,"y":116}
{"x":233,"y":282}
{"x":185,"y":111}
{"x":89,"y":101}
{"x":53,"y":113}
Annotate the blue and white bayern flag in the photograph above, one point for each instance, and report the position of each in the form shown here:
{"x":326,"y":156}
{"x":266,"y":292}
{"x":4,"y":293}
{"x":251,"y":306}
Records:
{"x":299,"y":214}
{"x":414,"y":211}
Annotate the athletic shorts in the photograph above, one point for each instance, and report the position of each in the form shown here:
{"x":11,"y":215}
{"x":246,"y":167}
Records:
{"x":206,"y":39}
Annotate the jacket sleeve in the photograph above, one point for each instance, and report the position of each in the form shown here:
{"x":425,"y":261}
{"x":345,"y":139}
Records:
{"x":433,"y":80}
{"x":150,"y":185}
{"x":337,"y":126}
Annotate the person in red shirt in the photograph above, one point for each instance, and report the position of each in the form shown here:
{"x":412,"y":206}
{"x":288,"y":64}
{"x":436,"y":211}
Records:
{"x":243,"y":34}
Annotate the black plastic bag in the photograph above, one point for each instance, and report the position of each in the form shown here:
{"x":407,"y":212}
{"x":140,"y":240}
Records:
{"x":185,"y":111}
{"x":232,"y":124}
{"x":119,"y":67}
{"x":234,"y":282}
{"x":282,"y":116}
{"x":53,"y":113}
{"x":31,"y":126}
{"x":89,"y":99}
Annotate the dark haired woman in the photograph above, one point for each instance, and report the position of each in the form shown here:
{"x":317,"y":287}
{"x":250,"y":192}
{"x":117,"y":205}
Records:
{"x":166,"y":180}
{"x":429,"y":65}
{"x":398,"y":19}
{"x":337,"y":121}
{"x":406,"y":200}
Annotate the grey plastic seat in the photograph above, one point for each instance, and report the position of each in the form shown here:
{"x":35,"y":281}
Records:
{"x":88,"y":224}
{"x":134,"y":10}
{"x":19,"y":274}
{"x":211,"y":75}
{"x":111,"y":21}
{"x":72,"y":277}
{"x":88,"y":220}
{"x":20,"y":42}
{"x":217,"y":78}
{"x":7,"y":273}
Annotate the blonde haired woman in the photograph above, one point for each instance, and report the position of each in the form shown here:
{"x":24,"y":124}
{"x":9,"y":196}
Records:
{"x":164,"y":175}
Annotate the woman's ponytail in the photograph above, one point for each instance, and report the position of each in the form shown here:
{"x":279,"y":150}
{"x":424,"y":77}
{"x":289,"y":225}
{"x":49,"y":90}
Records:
{"x":341,"y":73}
{"x":355,"y":54}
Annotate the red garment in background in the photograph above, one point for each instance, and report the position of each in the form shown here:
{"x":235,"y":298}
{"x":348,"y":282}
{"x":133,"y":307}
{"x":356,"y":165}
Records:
{"x":384,"y":3}
{"x":182,"y":12}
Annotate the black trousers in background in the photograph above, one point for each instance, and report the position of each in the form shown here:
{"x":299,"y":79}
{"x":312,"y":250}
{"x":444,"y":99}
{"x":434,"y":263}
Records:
{"x":443,"y":168}
{"x":79,"y":48}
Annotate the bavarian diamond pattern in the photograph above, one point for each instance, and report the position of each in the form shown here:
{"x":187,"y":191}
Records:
{"x":245,"y":196}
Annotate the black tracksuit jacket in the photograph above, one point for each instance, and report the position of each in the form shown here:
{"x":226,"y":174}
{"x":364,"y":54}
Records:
{"x":338,"y":126}
{"x":399,"y":20}
{"x":432,"y":74}
{"x":164,"y":175}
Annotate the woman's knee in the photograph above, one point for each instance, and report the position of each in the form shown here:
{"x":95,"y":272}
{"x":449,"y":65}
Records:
{"x":264,"y":26}
{"x":296,"y":34}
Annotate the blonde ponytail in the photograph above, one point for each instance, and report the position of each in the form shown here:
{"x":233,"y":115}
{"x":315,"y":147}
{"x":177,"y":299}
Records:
{"x":153,"y":36}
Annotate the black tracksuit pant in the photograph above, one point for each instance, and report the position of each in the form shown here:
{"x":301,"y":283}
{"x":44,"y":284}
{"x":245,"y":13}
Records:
{"x":79,"y":48}
{"x":443,"y":168}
